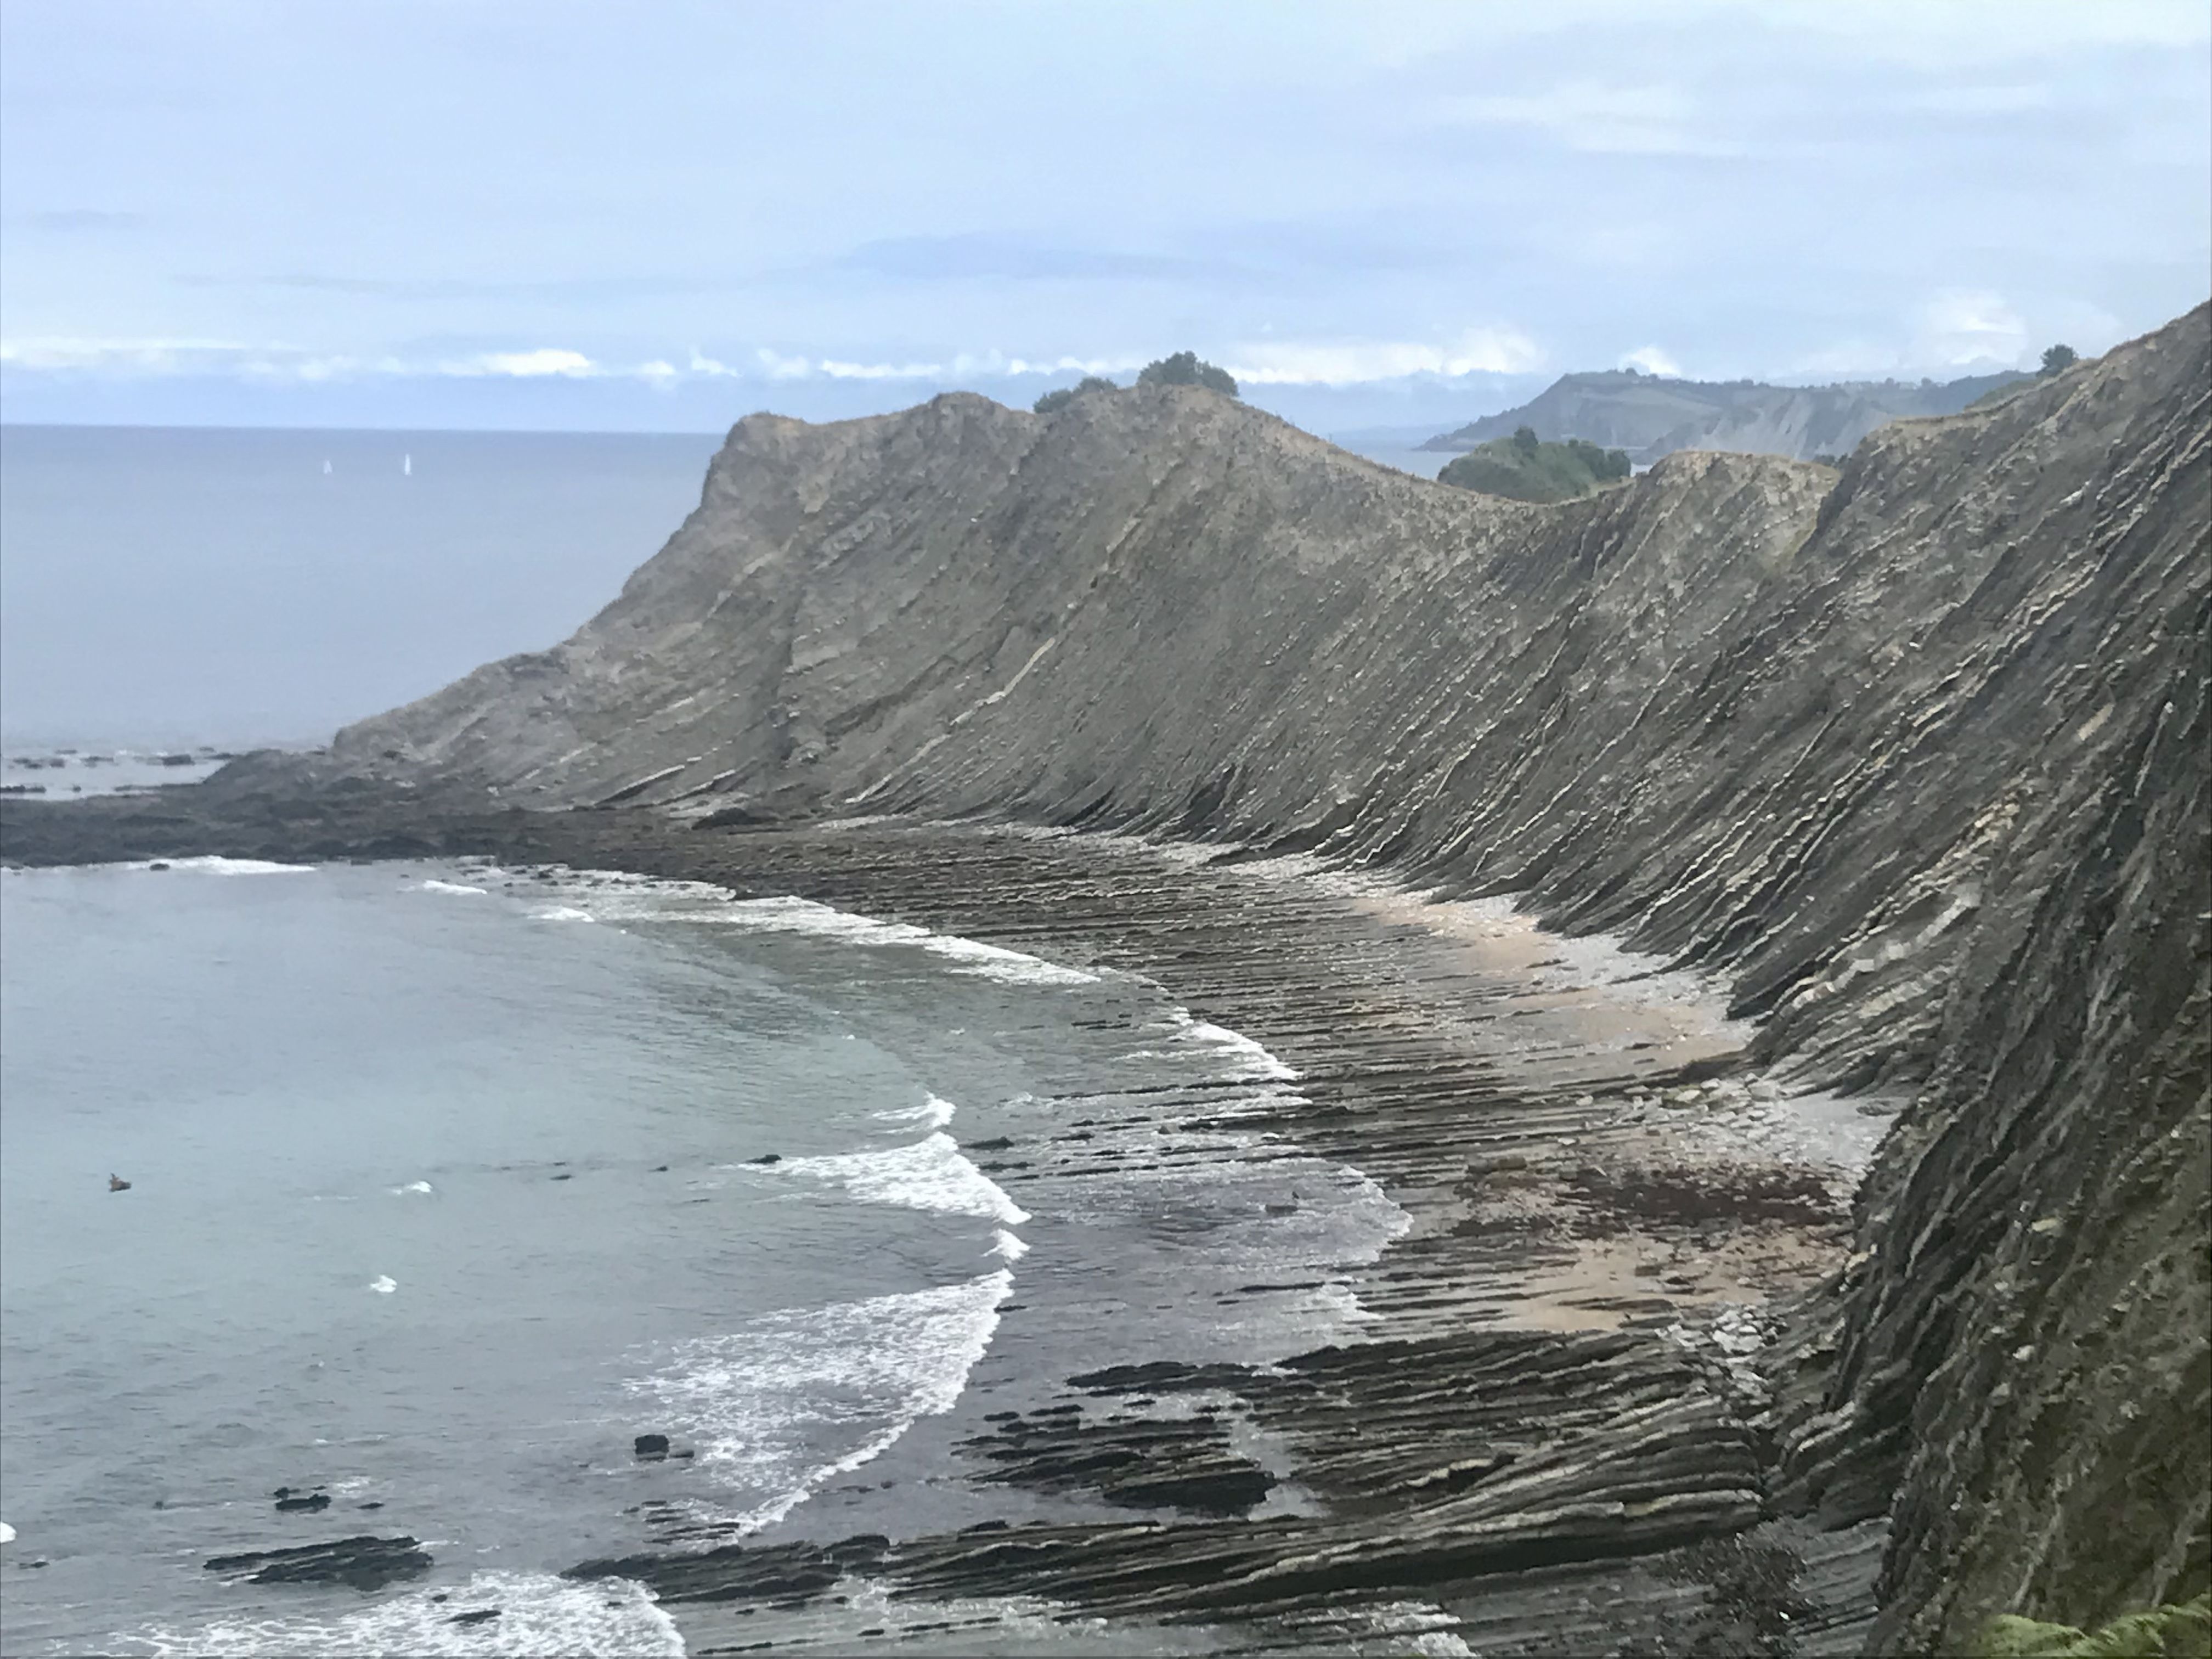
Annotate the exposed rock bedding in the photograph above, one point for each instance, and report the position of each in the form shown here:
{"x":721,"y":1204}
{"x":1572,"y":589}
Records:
{"x":1916,"y":757}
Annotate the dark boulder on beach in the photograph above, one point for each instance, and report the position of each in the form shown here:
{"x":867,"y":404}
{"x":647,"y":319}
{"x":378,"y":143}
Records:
{"x":309,"y":1503}
{"x":366,"y":1563}
{"x":650,"y":1445}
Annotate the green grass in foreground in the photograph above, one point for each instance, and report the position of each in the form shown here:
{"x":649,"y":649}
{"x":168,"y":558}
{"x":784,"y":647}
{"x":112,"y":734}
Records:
{"x":1522,"y":469}
{"x":2179,"y":1631}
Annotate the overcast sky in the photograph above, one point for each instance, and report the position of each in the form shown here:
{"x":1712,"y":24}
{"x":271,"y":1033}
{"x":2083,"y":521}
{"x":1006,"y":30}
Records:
{"x":662,"y":215}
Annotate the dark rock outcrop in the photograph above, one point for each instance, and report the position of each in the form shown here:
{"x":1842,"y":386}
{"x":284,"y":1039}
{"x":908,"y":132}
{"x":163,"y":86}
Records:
{"x":367,"y":1563}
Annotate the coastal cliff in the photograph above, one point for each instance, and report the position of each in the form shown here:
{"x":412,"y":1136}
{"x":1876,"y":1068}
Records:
{"x":1915,"y":755}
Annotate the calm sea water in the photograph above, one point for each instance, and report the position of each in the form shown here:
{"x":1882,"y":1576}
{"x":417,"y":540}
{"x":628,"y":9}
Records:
{"x":165,"y":587}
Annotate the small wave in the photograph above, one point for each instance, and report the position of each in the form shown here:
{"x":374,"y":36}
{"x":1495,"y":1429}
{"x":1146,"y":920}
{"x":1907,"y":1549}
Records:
{"x":434,"y":885}
{"x":620,"y":896}
{"x":562,"y":913}
{"x":1251,"y":1062}
{"x":538,"y":1613}
{"x":411,"y":1187}
{"x":930,"y":1174}
{"x":933,"y":1113}
{"x":1004,"y":1245}
{"x":7,"y":1533}
{"x":214,"y":865}
{"x":765,"y":1403}
{"x":383,"y":1285}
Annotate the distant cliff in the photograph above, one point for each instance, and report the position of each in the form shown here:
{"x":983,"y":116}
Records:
{"x":1918,"y":755}
{"x":1649,"y":417}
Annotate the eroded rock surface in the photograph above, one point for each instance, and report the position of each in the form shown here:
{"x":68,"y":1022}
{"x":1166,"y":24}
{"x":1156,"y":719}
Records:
{"x":1915,"y":756}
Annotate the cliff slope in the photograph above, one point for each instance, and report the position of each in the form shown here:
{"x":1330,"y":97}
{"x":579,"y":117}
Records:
{"x":1917,"y":754}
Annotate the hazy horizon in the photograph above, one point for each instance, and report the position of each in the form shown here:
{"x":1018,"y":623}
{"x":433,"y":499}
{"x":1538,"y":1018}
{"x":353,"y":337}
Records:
{"x":510,"y":217}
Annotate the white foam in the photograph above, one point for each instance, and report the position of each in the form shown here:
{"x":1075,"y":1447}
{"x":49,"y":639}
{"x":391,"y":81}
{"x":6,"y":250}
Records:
{"x":933,"y":1113}
{"x":411,"y":1187}
{"x":383,"y":1285}
{"x":538,"y":1613}
{"x":1251,"y":1062}
{"x":434,"y":885}
{"x":930,"y":1174}
{"x":213,"y":864}
{"x":618,"y":895}
{"x":1004,"y":1245}
{"x":562,"y":913}
{"x":7,"y":1533}
{"x":766,"y":1401}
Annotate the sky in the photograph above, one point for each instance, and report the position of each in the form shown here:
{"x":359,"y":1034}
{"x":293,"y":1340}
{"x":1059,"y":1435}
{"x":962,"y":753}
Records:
{"x":532,"y":213}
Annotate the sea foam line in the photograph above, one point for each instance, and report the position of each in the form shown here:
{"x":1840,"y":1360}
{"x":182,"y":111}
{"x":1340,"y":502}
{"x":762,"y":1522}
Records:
{"x":538,"y":1613}
{"x":621,"y":895}
{"x":929,"y":1174}
{"x":762,"y":1401}
{"x":214,"y":864}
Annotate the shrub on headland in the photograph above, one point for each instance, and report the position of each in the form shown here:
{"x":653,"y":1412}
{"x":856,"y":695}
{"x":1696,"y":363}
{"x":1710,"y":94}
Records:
{"x":1061,"y":396}
{"x":1188,"y":368}
{"x":1522,"y":468}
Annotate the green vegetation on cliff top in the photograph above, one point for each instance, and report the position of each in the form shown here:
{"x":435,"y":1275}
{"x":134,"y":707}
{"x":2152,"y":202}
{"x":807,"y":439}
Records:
{"x":2182,"y":1631}
{"x":1522,"y":468}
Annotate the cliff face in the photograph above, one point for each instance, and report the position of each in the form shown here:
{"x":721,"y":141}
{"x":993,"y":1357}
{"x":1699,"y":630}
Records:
{"x":1649,"y":417}
{"x":1917,"y":754}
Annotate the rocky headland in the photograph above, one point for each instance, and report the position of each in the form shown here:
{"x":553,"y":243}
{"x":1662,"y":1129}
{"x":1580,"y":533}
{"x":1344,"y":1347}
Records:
{"x":1913,"y":757}
{"x":1650,"y":416}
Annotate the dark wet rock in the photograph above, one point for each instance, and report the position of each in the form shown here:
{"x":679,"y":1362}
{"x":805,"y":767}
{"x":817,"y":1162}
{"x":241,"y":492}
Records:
{"x":1134,"y":1462}
{"x":477,"y":1616}
{"x":650,"y":1445}
{"x":766,"y":1157}
{"x":564,"y":1176}
{"x":176,"y":760}
{"x":771,"y":1573}
{"x":365,"y":1563}
{"x":302,"y":1503}
{"x":995,"y":1144}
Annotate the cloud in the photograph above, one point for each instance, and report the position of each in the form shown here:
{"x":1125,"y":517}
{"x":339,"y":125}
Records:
{"x":142,"y":357}
{"x":1593,"y":116}
{"x":1292,"y":362}
{"x":1652,"y":360}
{"x":527,"y":365}
{"x":1969,"y":326}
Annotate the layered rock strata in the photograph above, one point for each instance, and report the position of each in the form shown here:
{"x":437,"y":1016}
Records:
{"x":1917,"y":756}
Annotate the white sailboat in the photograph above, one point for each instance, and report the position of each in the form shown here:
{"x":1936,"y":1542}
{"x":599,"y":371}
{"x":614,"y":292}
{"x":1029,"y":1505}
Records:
{"x":406,"y":466}
{"x":326,"y":469}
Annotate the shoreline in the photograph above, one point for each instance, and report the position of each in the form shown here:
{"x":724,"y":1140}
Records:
{"x":1560,"y":1384}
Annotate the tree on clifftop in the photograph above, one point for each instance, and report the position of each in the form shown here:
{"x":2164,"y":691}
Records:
{"x":2057,"y":359}
{"x":1188,"y":368}
{"x":1063,"y":396}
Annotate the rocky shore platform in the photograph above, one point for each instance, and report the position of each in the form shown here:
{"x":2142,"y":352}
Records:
{"x":1559,"y":1432}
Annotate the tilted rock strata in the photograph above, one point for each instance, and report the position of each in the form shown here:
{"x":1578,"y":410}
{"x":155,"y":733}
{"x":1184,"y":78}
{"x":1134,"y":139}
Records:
{"x":1917,"y":756}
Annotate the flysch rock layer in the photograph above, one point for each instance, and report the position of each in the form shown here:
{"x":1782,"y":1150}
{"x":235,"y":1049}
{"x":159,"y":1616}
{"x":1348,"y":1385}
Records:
{"x":1915,"y":757}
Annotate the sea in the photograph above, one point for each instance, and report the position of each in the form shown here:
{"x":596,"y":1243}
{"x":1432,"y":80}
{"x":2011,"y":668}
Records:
{"x":447,"y":1182}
